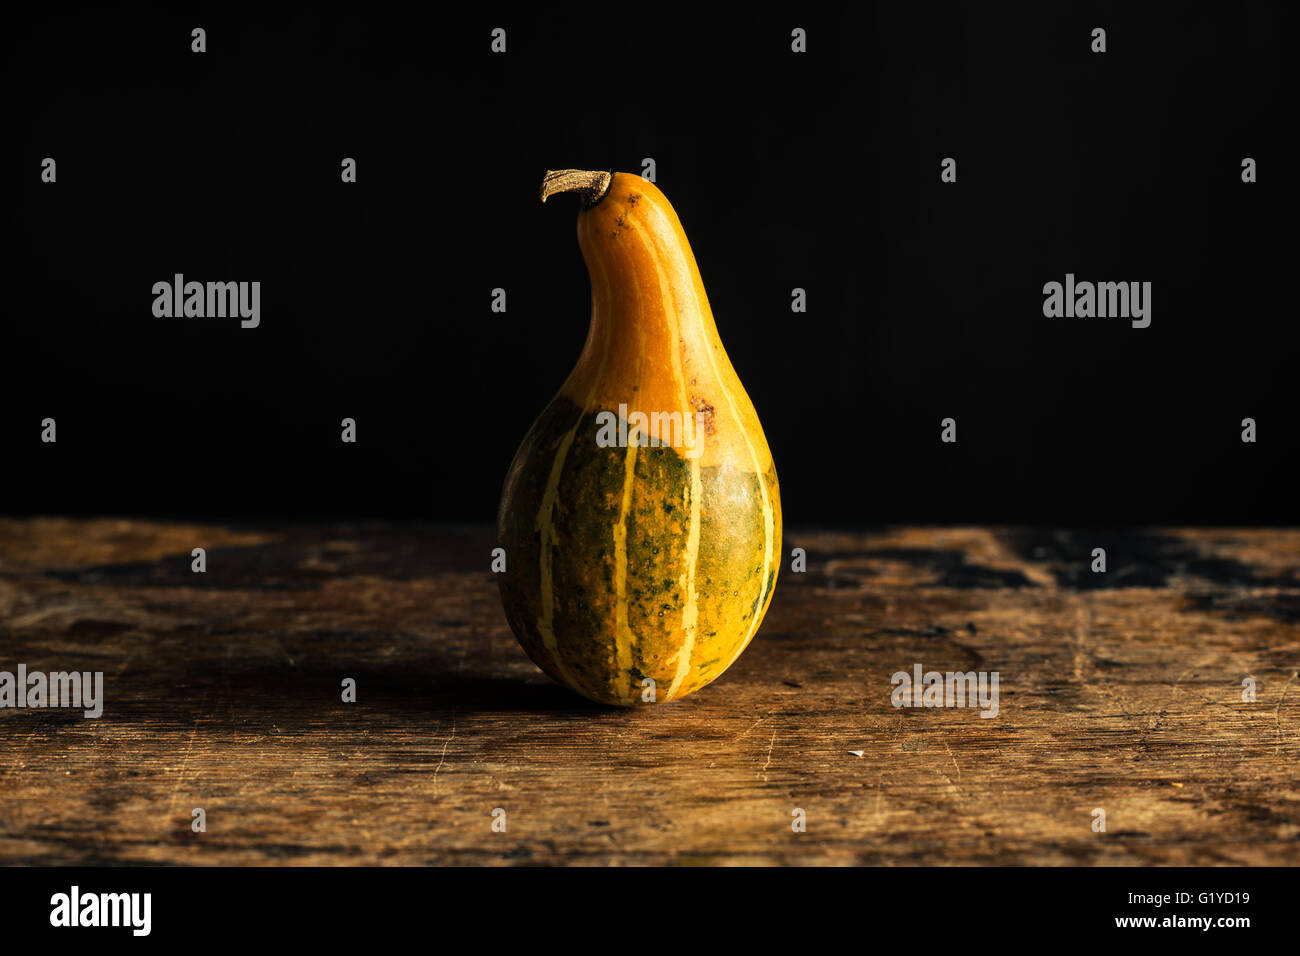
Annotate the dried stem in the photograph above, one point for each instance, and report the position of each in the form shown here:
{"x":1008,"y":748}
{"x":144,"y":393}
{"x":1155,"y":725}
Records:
{"x":590,"y":186}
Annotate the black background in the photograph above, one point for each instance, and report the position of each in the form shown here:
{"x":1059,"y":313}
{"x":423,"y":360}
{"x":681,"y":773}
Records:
{"x":818,"y":170}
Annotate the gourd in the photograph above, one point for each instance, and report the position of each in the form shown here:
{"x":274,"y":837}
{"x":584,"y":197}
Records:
{"x":641,"y":515}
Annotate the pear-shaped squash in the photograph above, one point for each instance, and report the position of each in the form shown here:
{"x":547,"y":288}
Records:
{"x":641,"y":517}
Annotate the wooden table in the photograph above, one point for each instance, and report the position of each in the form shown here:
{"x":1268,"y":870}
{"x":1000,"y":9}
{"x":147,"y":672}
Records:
{"x":1119,"y":691}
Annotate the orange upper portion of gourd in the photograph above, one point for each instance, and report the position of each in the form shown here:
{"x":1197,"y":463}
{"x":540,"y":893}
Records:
{"x":653,"y":345}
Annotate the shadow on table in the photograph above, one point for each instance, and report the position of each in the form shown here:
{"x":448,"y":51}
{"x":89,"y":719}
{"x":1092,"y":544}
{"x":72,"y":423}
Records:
{"x":309,"y":698}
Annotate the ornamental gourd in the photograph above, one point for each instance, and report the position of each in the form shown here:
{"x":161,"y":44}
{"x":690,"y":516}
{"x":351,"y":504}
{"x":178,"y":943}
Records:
{"x":641,"y":517}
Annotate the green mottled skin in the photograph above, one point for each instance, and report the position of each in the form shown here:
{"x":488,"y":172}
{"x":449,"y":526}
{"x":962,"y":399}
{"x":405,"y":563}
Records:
{"x":590,"y":491}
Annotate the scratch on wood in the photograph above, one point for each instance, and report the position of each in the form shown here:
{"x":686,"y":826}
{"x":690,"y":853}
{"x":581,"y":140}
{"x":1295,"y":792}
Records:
{"x":770,"y":745}
{"x":1277,"y":715}
{"x":185,"y":762}
{"x":446,"y":743}
{"x":746,"y":732}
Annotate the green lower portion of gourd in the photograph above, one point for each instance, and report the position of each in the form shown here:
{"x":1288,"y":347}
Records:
{"x":604,"y":587}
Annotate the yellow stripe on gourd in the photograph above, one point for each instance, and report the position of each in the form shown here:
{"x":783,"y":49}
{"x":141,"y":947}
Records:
{"x":622,"y":632}
{"x":545,"y":526}
{"x":690,"y":616}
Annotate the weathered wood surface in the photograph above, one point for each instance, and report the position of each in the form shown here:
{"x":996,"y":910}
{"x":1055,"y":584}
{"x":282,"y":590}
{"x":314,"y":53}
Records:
{"x":1120,"y":691}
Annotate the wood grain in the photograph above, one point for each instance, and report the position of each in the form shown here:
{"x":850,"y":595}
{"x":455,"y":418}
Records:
{"x":1120,"y":691}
